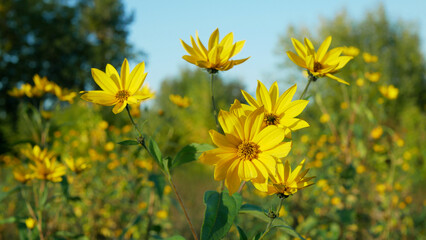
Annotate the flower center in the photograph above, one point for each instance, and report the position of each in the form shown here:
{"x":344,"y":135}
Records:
{"x":317,"y":66}
{"x":122,"y":95}
{"x":271,"y":119}
{"x":248,"y":151}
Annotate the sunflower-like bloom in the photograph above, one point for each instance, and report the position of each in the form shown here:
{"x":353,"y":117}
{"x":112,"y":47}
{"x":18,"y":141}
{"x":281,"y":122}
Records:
{"x":76,"y":165}
{"x":320,"y":63}
{"x":287,"y":182}
{"x":37,"y":154}
{"x":217,"y":56}
{"x":246,"y":151}
{"x":116,"y":90}
{"x":22,"y":174}
{"x":389,"y":92}
{"x":49,"y":169}
{"x":180,"y":101}
{"x":279,"y":110}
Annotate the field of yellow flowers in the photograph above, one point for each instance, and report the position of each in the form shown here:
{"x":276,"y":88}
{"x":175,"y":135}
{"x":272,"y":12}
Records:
{"x":318,"y":163}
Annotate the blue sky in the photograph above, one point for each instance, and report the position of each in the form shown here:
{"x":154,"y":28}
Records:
{"x":159,"y":24}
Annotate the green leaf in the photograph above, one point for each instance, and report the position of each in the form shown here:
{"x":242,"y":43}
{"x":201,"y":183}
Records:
{"x":7,"y":220}
{"x":190,"y":153}
{"x":135,"y":221}
{"x":221,"y":210}
{"x":154,"y":150}
{"x":159,"y":183}
{"x":242,"y":234}
{"x":4,"y":195}
{"x":129,"y":142}
{"x":289,"y":230}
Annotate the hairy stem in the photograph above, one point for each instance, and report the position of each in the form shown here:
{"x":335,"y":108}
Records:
{"x":271,"y":219}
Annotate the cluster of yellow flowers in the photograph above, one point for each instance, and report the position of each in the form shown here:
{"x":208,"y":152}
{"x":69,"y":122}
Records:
{"x":41,"y":87}
{"x":180,"y":101}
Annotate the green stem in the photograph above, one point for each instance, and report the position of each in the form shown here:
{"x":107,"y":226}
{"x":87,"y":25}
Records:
{"x":311,"y":79}
{"x":271,"y":219}
{"x":133,"y":122}
{"x":212,"y":78}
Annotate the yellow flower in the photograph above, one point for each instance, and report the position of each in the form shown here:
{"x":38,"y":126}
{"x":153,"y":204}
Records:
{"x":180,"y":101}
{"x":360,"y":169}
{"x":373,"y":77}
{"x":279,"y":110}
{"x":368,"y":58}
{"x":344,"y":105}
{"x":76,"y":165}
{"x":217,"y":56}
{"x":325,"y":118}
{"x":246,"y":151}
{"x":22,"y":174}
{"x":320,"y":63}
{"x":64,"y":94}
{"x":287,"y":182}
{"x":116,"y":90}
{"x":46,"y":114}
{"x":30,"y":223}
{"x":109,"y":146}
{"x":389,"y":92}
{"x":49,"y":169}
{"x":377,"y":132}
{"x":350,"y":51}
{"x":36,"y":154}
{"x":162,"y":214}
{"x":360,"y":82}
{"x":16,"y":92}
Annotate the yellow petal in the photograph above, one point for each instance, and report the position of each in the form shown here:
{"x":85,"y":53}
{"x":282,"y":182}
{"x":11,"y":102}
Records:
{"x":246,"y":170}
{"x":188,"y":48}
{"x":125,"y":74}
{"x":269,"y":137}
{"x":294,"y":108}
{"x":222,"y":167}
{"x":100,"y":97}
{"x":296,"y":59}
{"x":263,"y":97}
{"x":106,"y":83}
{"x":214,"y":39}
{"x":285,"y":99}
{"x":323,"y":49}
{"x":300,"y":49}
{"x":118,"y":108}
{"x":337,"y":79}
{"x":232,"y":181}
{"x":200,"y":44}
{"x":309,"y":47}
{"x":113,"y":74}
{"x":279,"y":151}
{"x":274,"y":92}
{"x":136,"y":78}
{"x":220,"y":140}
{"x":250,"y":100}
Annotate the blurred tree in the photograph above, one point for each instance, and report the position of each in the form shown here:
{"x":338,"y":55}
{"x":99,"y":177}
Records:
{"x":59,"y":39}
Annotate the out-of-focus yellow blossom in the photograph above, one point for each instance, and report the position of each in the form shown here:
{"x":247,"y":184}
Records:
{"x":336,"y":201}
{"x":395,"y":200}
{"x":160,"y":112}
{"x":135,"y":110}
{"x":113,"y":165}
{"x":405,"y":166}
{"x":246,"y":151}
{"x":381,"y":188}
{"x":288,"y":182}
{"x":373,"y":77}
{"x":407,"y":155}
{"x":398,"y":140}
{"x":378,"y":148}
{"x":380,"y":100}
{"x":36,"y":154}
{"x":282,"y":212}
{"x":103,"y":125}
{"x":180,"y":101}
{"x":360,"y":169}
{"x":325,"y":118}
{"x":408,"y":199}
{"x":360,"y":82}
{"x":319,"y":156}
{"x":167,"y":189}
{"x":218,"y":54}
{"x":109,"y":146}
{"x":30,"y":223}
{"x":22,"y":174}
{"x":369,"y":58}
{"x":377,"y":132}
{"x":16,"y":92}
{"x":64,"y":94}
{"x":390,"y":92}
{"x":127,"y":128}
{"x":142,"y":205}
{"x":344,"y":105}
{"x":304,"y":138}
{"x":320,"y":63}
{"x":78,"y":211}
{"x":76,"y":165}
{"x":402,"y":205}
{"x":332,"y":139}
{"x":117,"y":90}
{"x":350,"y":51}
{"x":48,"y":169}
{"x":398,"y":186}
{"x":162,"y":214}
{"x":144,"y":164}
{"x":279,"y":110}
